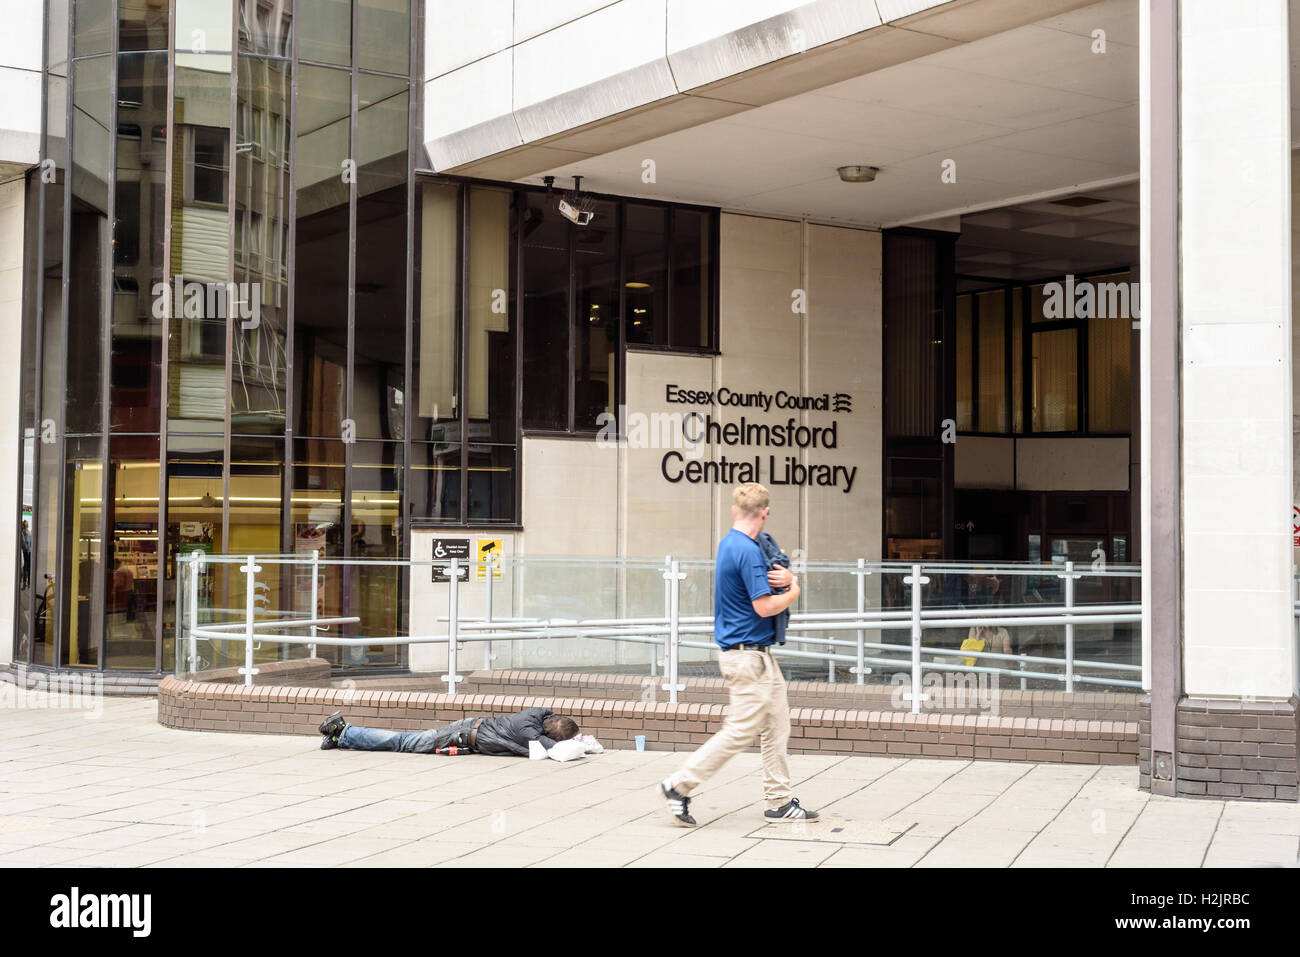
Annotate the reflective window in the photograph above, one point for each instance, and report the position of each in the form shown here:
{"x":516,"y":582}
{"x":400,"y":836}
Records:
{"x":490,"y":368}
{"x":254,"y":522}
{"x":258,"y":364}
{"x":545,"y":247}
{"x":45,"y":573}
{"x":691,"y":318}
{"x":645,"y":257}
{"x":492,"y":484}
{"x":316,"y":511}
{"x":200,"y":245}
{"x":204,"y":26}
{"x":82,"y":587}
{"x":321,"y":264}
{"x":383,"y":104}
{"x":266,"y":26}
{"x":435,"y":477}
{"x":383,"y":35}
{"x":379,"y":373}
{"x":131,"y":590}
{"x":56,"y":40}
{"x":596,"y":319}
{"x":142,"y":25}
{"x":195,"y":492}
{"x":325,"y":31}
{"x":136,"y":387}
{"x":91,"y":148}
{"x":375,"y":591}
{"x":92,"y":23}
{"x":436,"y":334}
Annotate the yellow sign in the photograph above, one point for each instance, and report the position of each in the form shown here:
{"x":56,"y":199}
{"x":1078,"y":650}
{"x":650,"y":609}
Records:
{"x":488,"y":550}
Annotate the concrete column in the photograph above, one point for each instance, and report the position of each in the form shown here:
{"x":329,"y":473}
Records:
{"x":1217,"y":475}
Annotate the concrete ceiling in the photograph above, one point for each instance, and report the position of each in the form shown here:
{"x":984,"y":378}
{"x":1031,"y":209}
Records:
{"x":1026,"y":115}
{"x":1086,"y":232}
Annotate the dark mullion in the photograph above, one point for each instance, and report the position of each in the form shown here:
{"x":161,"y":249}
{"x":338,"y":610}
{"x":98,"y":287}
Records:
{"x":106,"y":355}
{"x":670,"y":230}
{"x":404,"y":493}
{"x":619,"y":391}
{"x":1081,"y":373}
{"x":1008,"y":359}
{"x":1027,"y":360}
{"x":462,"y":350}
{"x":518,"y":240}
{"x":944,"y":252}
{"x":160,"y":601}
{"x":975,"y":362}
{"x":715,"y":277}
{"x":37,"y":345}
{"x":291,"y":305}
{"x":232,"y":162}
{"x":349,"y":384}
{"x":572,"y":326}
{"x":37,"y":364}
{"x":54,"y":620}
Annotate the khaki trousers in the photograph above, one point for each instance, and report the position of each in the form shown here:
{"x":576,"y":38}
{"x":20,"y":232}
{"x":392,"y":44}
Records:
{"x":757,"y":706}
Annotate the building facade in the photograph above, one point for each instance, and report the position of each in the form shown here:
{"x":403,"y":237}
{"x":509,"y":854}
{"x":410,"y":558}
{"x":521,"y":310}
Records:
{"x":350,"y":275}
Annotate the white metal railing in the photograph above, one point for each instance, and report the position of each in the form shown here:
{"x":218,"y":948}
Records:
{"x":672,"y":632}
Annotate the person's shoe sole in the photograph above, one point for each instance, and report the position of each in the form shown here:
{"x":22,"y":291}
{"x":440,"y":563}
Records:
{"x":334,"y":724}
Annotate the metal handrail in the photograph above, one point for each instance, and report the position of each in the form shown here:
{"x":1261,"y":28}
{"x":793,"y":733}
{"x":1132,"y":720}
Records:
{"x":813,"y":632}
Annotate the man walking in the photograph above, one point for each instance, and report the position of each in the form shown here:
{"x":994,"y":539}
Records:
{"x":744,"y":605}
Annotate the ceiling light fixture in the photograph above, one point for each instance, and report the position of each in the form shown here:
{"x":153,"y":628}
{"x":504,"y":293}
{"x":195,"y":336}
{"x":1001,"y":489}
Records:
{"x":858,"y":174}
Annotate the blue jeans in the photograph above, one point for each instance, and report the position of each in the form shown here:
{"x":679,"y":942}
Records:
{"x":355,"y":738}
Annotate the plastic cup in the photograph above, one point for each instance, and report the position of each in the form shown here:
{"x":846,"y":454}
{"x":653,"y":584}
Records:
{"x":640,"y":742}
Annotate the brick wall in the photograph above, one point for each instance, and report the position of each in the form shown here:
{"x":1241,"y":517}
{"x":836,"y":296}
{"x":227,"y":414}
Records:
{"x":1230,"y":748}
{"x":268,"y":709}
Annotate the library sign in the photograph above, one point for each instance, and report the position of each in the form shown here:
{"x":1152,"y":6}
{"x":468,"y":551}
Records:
{"x":767,"y":429}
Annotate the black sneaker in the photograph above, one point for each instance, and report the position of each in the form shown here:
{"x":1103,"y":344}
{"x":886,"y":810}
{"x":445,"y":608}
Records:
{"x":333,"y":725}
{"x":679,"y":806}
{"x":330,"y":730}
{"x":789,"y":813}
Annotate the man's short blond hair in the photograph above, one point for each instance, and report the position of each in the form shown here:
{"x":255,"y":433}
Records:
{"x":750,"y":499}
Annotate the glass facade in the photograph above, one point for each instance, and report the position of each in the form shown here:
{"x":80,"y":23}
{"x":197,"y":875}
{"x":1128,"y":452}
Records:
{"x":175,"y":395}
{"x":1076,"y":362}
{"x":249,"y":327}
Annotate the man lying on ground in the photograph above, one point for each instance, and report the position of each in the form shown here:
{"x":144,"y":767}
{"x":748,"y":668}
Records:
{"x":503,"y":734}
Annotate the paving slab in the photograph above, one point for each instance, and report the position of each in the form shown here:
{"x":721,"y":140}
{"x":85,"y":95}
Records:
{"x":121,"y":790}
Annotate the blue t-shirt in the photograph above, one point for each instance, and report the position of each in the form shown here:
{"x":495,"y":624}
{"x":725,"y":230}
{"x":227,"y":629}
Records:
{"x":740,"y":576}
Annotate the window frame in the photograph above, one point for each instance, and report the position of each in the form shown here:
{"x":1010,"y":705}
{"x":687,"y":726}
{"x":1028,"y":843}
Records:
{"x":622,"y":346}
{"x":1022,"y":403}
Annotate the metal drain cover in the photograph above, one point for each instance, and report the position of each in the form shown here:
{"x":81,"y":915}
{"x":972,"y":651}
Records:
{"x":836,"y":830}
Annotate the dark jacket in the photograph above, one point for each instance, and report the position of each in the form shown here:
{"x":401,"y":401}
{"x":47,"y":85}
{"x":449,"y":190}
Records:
{"x":774,"y":557}
{"x":509,"y":734}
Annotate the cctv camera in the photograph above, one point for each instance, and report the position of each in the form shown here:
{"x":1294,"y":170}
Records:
{"x":579,"y":217}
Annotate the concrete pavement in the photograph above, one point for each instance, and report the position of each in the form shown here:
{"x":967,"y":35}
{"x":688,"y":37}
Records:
{"x":119,"y":790}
